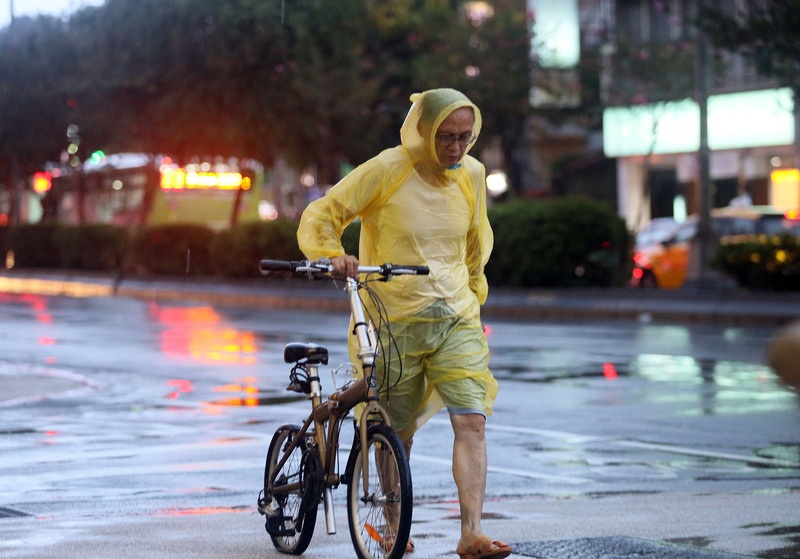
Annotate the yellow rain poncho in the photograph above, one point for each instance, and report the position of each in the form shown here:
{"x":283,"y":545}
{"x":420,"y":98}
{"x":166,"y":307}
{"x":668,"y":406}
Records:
{"x":415,"y":211}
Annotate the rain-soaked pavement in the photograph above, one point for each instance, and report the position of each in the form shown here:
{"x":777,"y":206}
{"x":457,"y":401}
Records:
{"x":133,"y":428}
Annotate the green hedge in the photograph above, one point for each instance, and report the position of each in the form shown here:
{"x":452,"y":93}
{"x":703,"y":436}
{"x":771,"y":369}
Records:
{"x":88,"y":247}
{"x":563,"y":242}
{"x":36,"y":246}
{"x":170,"y":250}
{"x":179,"y":249}
{"x":769,"y":263}
{"x":92,"y":247}
{"x":236,"y":251}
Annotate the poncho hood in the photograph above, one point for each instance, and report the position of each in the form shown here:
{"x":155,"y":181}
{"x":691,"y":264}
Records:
{"x":427,"y":112}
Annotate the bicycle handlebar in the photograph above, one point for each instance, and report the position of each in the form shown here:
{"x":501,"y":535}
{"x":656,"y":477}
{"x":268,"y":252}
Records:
{"x":323,"y":267}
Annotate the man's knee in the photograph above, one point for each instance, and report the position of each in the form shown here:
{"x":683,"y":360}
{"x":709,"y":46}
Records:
{"x":469,"y":425}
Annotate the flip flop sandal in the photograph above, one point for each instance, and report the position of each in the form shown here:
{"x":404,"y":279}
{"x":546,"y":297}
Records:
{"x":486,"y":548}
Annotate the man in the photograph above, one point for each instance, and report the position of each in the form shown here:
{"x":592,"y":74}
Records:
{"x":424,"y":203}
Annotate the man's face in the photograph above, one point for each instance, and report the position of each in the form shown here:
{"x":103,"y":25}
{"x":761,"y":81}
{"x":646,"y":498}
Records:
{"x":454,"y":136}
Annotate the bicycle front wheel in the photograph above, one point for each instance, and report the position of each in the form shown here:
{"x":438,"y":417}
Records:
{"x":380,"y":518}
{"x":291,"y":501}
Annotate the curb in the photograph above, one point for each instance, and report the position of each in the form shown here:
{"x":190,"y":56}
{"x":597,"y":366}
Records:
{"x":721,"y":307}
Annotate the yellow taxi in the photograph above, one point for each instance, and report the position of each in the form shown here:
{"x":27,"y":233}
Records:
{"x":665,"y":263}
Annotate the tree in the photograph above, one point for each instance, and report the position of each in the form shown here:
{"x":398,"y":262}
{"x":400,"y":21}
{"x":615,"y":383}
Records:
{"x":767,"y":33}
{"x":35,"y":107}
{"x":313,"y":82}
{"x":497,"y":76}
{"x":652,"y":79}
{"x":479,"y":49}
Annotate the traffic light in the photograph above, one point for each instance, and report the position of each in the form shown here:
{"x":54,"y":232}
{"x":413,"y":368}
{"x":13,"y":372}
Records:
{"x":97,"y":157}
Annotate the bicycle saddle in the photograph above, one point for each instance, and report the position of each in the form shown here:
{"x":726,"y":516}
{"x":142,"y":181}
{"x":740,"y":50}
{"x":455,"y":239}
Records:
{"x":313,"y":353}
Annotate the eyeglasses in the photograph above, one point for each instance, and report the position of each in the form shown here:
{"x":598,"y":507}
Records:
{"x":463,"y":140}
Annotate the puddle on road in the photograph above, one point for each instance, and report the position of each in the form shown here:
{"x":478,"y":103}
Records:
{"x":201,"y":489}
{"x":635,"y":460}
{"x":701,"y":541}
{"x":786,"y":452}
{"x":194,"y":511}
{"x":22,"y":431}
{"x":609,"y":371}
{"x":790,"y":533}
{"x":201,"y":333}
{"x":243,"y":392}
{"x":6,"y":512}
{"x":653,"y":367}
{"x":257,"y":400}
{"x":697,"y":386}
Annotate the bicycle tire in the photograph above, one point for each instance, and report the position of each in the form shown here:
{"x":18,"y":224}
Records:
{"x":291,"y":523}
{"x":378,"y":530}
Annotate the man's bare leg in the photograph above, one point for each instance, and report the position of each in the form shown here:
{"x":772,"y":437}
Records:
{"x":469,"y":472}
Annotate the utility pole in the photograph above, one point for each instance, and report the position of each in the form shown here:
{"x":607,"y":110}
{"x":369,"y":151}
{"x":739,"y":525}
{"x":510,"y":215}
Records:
{"x":703,"y":244}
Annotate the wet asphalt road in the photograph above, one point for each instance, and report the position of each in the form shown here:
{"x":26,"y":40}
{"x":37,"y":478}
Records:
{"x":608,"y":437}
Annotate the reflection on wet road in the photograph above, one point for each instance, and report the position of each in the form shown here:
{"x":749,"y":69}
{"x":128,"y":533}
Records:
{"x":200,"y":333}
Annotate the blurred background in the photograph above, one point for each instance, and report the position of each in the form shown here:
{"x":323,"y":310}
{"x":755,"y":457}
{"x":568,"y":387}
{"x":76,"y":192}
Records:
{"x":146,"y":128}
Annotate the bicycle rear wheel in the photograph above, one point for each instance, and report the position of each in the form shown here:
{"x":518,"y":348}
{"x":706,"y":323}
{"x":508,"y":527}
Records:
{"x":290,"y":504}
{"x":380,"y":520}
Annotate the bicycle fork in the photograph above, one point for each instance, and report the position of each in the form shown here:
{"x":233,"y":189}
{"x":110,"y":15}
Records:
{"x":367,"y":352}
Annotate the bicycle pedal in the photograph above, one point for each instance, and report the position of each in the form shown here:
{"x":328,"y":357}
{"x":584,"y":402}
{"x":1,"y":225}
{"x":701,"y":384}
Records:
{"x":276,"y":526}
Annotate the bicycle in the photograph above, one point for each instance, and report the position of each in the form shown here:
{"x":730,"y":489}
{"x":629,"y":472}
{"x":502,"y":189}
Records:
{"x":302,"y":467}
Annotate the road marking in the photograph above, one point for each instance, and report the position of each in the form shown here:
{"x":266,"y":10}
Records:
{"x":709,"y":454}
{"x":508,"y":471}
{"x":561,"y":435}
{"x":576,"y":438}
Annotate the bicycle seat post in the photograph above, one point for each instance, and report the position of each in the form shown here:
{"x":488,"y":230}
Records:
{"x":322,"y":444}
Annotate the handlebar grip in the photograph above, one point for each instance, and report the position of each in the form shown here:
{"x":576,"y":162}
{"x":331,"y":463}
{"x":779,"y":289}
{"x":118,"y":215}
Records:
{"x":418,"y":270}
{"x":277,"y":266}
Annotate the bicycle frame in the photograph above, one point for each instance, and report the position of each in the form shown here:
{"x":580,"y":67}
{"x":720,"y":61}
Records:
{"x":337,"y":406}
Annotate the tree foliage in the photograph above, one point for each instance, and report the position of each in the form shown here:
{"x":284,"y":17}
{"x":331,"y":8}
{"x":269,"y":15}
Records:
{"x":33,"y":102}
{"x":767,"y":33}
{"x":311,"y":81}
{"x":651,"y":72}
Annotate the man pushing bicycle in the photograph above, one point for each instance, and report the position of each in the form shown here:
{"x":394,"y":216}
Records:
{"x":424,"y":202}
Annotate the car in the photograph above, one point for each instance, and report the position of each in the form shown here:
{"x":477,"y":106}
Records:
{"x":665,"y":263}
{"x":656,"y":231}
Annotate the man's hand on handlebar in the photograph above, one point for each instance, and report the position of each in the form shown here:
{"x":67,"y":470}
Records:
{"x":346,"y":265}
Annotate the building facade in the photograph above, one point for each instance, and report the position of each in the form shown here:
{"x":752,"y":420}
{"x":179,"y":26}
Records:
{"x":636,"y":63}
{"x":655,"y":136}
